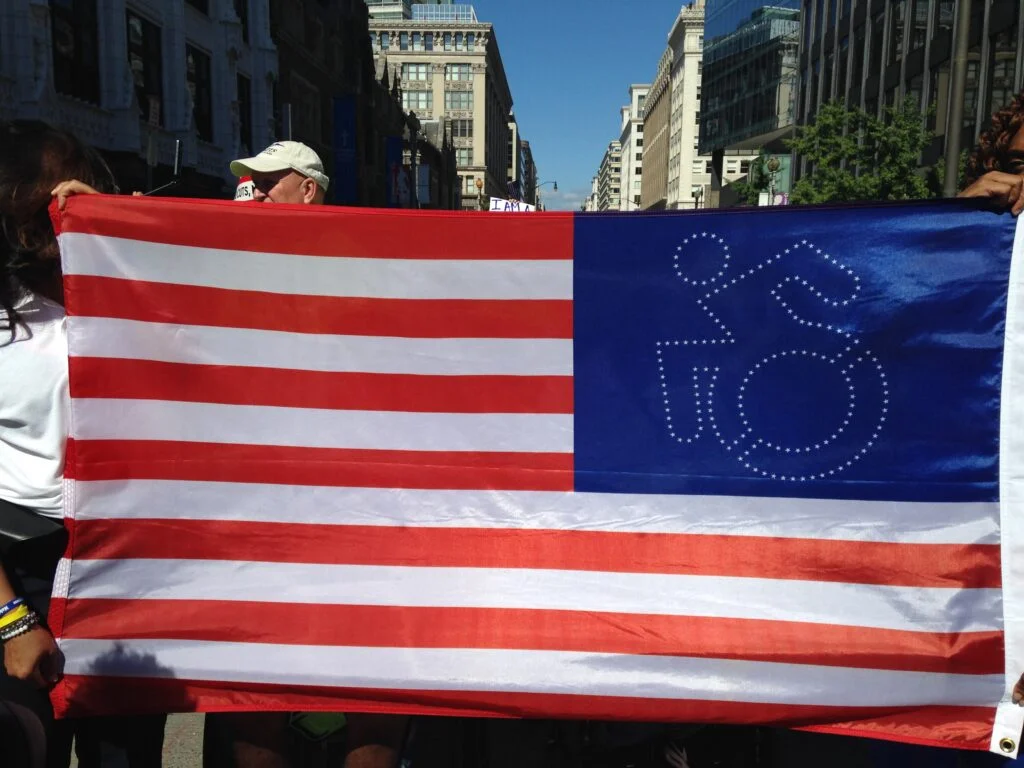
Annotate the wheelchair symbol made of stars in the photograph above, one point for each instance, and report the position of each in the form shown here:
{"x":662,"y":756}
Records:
{"x":722,"y":402}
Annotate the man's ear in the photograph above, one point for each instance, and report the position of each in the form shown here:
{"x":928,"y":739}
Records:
{"x":308,"y":190}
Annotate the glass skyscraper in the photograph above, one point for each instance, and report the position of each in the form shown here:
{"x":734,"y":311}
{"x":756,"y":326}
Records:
{"x":749,"y":78}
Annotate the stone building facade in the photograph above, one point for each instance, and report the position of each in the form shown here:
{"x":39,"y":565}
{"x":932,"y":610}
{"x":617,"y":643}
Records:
{"x":131,"y":77}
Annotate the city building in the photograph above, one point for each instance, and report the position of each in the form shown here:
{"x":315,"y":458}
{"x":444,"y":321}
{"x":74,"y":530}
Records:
{"x":448,"y":64}
{"x":132,"y":77}
{"x":326,"y":93}
{"x":657,"y":111}
{"x":609,"y":179}
{"x":749,"y":84}
{"x":631,"y":142}
{"x":398,"y":9}
{"x":591,"y":201}
{"x":873,"y":54}
{"x":529,"y":173}
{"x":689,"y":172}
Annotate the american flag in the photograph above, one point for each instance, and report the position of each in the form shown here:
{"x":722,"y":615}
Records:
{"x":754,"y":467}
{"x":513,"y":189}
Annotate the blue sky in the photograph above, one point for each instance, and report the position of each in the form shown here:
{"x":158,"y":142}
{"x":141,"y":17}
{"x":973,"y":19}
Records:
{"x":569,"y":64}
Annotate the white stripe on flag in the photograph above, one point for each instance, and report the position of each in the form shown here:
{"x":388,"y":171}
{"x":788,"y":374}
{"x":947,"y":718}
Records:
{"x":103,"y":419}
{"x":827,"y":519}
{"x":104,"y":256}
{"x":204,"y":345}
{"x":554,"y":672}
{"x":905,"y":608}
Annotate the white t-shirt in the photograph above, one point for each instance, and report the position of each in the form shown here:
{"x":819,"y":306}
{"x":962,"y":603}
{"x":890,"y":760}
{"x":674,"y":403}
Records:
{"x":34,"y":406}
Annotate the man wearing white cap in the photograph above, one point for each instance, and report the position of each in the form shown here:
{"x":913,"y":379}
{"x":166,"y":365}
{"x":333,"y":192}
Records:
{"x":285,"y":172}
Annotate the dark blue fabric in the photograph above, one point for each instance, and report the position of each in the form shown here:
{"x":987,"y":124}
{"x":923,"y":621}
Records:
{"x":871,"y":349}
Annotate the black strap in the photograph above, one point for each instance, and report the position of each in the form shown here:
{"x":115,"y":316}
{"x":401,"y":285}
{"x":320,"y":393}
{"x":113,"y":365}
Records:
{"x":19,"y":525}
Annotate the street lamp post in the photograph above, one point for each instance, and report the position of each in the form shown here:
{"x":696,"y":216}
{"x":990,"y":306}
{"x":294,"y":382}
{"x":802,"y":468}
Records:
{"x":479,"y":194}
{"x":536,"y":189}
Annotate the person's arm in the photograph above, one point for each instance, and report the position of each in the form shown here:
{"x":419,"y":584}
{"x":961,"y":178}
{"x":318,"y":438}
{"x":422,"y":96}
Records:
{"x":1005,"y":190}
{"x":33,"y":656}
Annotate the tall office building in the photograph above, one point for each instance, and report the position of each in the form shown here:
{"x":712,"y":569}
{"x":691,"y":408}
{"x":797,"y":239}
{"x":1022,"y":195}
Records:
{"x":449,"y":66}
{"x":657,"y":113}
{"x":871,"y":54}
{"x":749,"y":80}
{"x":609,"y":179}
{"x":631,"y":142}
{"x":398,"y":9}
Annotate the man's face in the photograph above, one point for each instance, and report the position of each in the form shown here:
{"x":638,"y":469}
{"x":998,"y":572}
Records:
{"x":283,"y":187}
{"x":1015,"y":154}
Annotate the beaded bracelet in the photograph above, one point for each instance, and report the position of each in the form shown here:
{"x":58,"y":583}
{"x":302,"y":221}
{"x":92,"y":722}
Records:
{"x":20,"y":627}
{"x":11,"y":606}
{"x":16,"y":615}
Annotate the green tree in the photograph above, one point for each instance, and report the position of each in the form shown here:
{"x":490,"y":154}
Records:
{"x":852,"y":155}
{"x":749,"y":191}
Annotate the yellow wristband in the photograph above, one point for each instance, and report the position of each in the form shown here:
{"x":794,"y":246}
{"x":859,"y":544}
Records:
{"x":16,"y":615}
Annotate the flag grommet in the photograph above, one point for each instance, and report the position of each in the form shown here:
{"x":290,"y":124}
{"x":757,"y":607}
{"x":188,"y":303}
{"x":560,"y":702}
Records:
{"x":1007,"y":745}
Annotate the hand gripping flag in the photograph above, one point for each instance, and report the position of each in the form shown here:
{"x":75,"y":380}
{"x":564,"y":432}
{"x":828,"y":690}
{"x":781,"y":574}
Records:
{"x":760,"y":466}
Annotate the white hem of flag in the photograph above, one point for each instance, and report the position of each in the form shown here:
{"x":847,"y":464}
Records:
{"x":1009,"y":718}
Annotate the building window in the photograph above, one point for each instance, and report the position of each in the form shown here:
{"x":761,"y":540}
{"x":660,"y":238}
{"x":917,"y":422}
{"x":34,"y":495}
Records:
{"x":145,"y":61}
{"x":744,"y":166}
{"x":458,"y":72}
{"x":464,"y":156}
{"x":707,"y":166}
{"x":639,"y":156}
{"x":469,"y":186}
{"x":415,"y":72}
{"x":403,"y":41}
{"x":459,"y":41}
{"x":896,"y":29}
{"x":919,"y":25}
{"x":639,"y":142}
{"x":470,"y":41}
{"x":944,"y":15}
{"x":200,"y":88}
{"x":698,"y":166}
{"x":428,"y":41}
{"x":819,"y":19}
{"x":203,"y":6}
{"x":462,"y":129}
{"x":458,"y":99}
{"x":417,"y":41}
{"x":242,"y":11}
{"x":245,"y":115}
{"x":1003,"y":51}
{"x":385,"y":41}
{"x":417,"y":100}
{"x":447,"y":41}
{"x":76,"y":60}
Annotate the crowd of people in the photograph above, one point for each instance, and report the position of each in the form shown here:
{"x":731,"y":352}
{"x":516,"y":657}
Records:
{"x":39,"y":163}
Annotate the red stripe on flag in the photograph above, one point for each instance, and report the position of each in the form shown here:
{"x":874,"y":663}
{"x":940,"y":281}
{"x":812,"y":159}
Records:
{"x":335,"y":467}
{"x":239,"y":385}
{"x":970,"y":653}
{"x":90,"y":296}
{"x":963,"y":566}
{"x":964,"y":727}
{"x":323,"y":231}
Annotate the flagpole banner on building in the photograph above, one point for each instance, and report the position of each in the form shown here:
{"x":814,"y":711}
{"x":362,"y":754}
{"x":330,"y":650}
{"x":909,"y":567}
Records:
{"x":762,"y":466}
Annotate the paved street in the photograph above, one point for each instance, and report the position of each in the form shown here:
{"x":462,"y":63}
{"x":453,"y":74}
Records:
{"x":183,"y":742}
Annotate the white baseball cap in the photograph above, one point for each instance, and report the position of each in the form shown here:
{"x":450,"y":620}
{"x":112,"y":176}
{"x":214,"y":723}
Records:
{"x":282,"y":155}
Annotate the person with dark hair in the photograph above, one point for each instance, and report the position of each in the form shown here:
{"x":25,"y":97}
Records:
{"x":995,"y":169}
{"x":37,"y":163}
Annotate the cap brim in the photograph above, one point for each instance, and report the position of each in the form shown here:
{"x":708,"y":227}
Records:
{"x":247,"y":165}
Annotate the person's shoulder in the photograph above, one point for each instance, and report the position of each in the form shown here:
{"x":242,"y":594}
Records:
{"x":36,"y":314}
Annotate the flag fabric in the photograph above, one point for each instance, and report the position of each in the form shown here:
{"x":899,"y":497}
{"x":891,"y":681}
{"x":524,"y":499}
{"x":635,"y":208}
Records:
{"x":513,"y":189}
{"x":753,"y":467}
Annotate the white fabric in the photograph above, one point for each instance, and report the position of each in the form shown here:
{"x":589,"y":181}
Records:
{"x":1009,"y":719}
{"x":354,"y":276}
{"x":34,"y":407}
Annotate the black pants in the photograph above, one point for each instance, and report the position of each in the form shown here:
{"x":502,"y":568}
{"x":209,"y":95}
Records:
{"x":29,"y":734}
